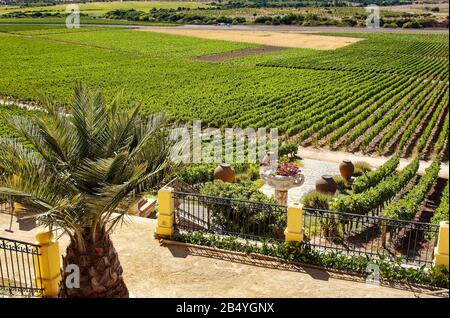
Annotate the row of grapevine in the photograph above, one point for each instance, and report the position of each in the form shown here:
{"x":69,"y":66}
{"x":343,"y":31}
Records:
{"x":336,"y":120}
{"x":427,"y":133}
{"x":303,"y":123}
{"x":401,"y":121}
{"x":372,"y":178}
{"x":406,"y":207}
{"x":372,"y":85}
{"x":319,"y":104}
{"x":381,"y":106}
{"x":366,"y":132}
{"x":441,"y":213}
{"x":443,"y":138}
{"x":304,"y":102}
{"x":428,"y":108}
{"x":346,"y":60}
{"x":383,"y":192}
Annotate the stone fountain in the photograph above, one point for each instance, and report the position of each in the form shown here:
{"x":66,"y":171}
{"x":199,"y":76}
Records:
{"x":281,"y":183}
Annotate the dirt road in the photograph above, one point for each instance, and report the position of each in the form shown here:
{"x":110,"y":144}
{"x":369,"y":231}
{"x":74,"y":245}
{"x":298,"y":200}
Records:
{"x":302,"y":29}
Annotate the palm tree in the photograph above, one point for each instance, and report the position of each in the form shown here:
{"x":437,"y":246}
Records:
{"x":74,"y":168}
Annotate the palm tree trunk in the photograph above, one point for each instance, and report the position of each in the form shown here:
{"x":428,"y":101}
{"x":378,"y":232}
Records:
{"x":100,"y":269}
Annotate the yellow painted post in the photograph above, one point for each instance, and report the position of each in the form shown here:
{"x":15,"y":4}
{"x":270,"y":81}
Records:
{"x":294,"y":230}
{"x":441,"y":250}
{"x":165,"y":212}
{"x":48,"y":264}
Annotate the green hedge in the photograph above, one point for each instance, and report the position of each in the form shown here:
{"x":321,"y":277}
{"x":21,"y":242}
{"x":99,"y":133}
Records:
{"x":237,"y":217}
{"x":389,"y":270}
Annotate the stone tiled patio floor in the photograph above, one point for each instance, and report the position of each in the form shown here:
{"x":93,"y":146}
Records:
{"x":151,"y":270}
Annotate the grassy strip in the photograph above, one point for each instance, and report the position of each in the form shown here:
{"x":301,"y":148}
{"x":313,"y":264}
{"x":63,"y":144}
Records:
{"x":388,"y":270}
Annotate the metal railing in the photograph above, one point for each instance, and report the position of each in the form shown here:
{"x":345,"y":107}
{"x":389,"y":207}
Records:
{"x":19,"y":268}
{"x":372,"y":236}
{"x":246,"y":219}
{"x":324,"y":230}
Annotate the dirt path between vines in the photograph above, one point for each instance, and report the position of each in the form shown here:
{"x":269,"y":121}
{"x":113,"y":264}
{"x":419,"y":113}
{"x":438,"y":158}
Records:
{"x":375,"y":161}
{"x":152,"y":270}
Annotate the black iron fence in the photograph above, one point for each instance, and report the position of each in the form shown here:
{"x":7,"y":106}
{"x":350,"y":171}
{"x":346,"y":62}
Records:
{"x":373,"y":236}
{"x":351,"y":234}
{"x":19,"y":269}
{"x":246,"y":219}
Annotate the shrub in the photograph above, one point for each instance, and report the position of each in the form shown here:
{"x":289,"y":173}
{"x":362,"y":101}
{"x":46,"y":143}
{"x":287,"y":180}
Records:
{"x":237,"y":217}
{"x":288,"y":149}
{"x":195,"y":174}
{"x":317,"y":200}
{"x":253,"y":172}
{"x":342,"y":184}
{"x":361,"y":167}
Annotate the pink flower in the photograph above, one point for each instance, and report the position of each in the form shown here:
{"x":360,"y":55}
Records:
{"x":287,"y":169}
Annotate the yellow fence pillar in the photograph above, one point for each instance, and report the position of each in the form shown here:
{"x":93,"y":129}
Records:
{"x":48,"y":264}
{"x":441,"y":250}
{"x":294,"y":230}
{"x":165,"y":212}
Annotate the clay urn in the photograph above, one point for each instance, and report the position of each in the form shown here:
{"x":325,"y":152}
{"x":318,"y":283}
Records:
{"x":326,"y":185}
{"x":346,"y":168}
{"x":224,"y":172}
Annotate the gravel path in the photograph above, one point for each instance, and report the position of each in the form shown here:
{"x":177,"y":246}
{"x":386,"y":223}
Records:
{"x":375,"y":161}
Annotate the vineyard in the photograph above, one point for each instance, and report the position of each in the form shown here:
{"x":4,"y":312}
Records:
{"x":399,"y":195}
{"x":386,"y":94}
{"x":383,"y":95}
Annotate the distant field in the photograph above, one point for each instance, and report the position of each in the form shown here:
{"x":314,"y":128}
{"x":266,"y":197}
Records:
{"x":83,"y":20}
{"x":97,"y":8}
{"x":281,"y":39}
{"x":386,"y":93}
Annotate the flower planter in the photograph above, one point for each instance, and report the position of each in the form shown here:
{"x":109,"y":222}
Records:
{"x":281,"y":183}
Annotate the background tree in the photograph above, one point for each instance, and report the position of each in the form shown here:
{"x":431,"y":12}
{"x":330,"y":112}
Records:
{"x":74,"y":167}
